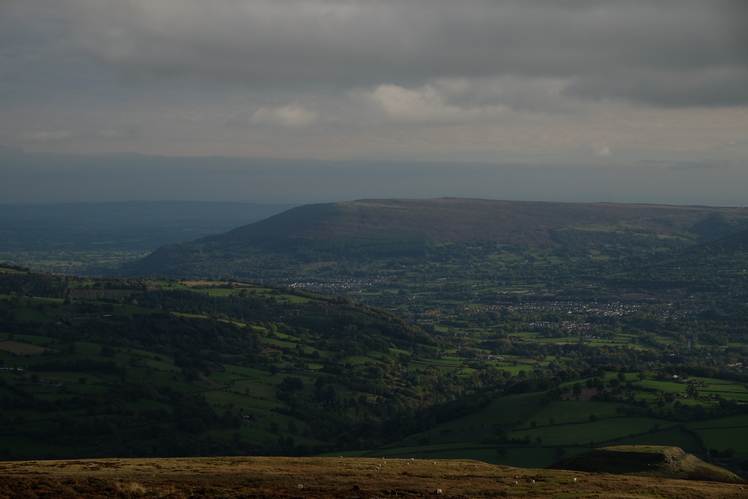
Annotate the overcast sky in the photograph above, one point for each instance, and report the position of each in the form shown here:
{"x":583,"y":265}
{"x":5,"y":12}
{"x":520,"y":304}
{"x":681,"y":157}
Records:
{"x":313,"y":100}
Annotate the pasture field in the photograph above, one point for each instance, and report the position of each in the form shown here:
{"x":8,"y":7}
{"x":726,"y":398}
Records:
{"x":507,"y":410}
{"x":217,"y":288}
{"x":501,"y":412}
{"x":511,"y":409}
{"x":591,"y":432}
{"x":724,"y":433}
{"x":30,"y":339}
{"x":723,"y":388}
{"x":6,"y":270}
{"x":726,"y":439}
{"x":569,"y":412}
{"x":22,"y":349}
{"x":664,"y":386}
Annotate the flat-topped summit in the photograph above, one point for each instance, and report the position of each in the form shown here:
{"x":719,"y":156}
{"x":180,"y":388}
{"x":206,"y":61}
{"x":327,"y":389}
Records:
{"x":460,"y":219}
{"x":387,"y":228}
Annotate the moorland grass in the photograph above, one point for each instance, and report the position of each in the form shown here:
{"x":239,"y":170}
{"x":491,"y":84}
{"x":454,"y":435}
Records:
{"x":332,"y":477}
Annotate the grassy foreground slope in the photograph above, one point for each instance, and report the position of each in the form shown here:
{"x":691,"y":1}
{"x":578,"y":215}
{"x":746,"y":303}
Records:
{"x":283,"y":477}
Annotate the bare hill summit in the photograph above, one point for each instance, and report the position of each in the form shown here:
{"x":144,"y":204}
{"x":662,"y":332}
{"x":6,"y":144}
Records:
{"x":455,"y":219}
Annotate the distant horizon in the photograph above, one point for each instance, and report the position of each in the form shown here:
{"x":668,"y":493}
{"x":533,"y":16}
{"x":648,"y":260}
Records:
{"x":46,"y":178}
{"x":125,"y":201}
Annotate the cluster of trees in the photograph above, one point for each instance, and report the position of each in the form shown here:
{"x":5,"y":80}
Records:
{"x":32,"y":284}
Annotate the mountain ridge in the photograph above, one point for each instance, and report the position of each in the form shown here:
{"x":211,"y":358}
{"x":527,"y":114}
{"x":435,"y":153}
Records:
{"x":378,"y":228}
{"x":456,"y":219}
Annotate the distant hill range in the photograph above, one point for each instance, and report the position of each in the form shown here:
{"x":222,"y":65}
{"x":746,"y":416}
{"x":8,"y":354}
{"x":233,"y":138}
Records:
{"x":291,"y":243}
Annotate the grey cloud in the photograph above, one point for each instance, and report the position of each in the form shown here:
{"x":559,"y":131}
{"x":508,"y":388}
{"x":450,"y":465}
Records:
{"x":687,"y":165}
{"x":662,"y":52}
{"x":708,"y":87}
{"x":700,"y":165}
{"x":518,"y":93}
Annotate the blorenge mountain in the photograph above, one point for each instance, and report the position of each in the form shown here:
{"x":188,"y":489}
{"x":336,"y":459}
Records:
{"x":319,"y":239}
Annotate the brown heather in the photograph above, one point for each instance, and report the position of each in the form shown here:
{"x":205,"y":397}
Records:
{"x":331,"y":477}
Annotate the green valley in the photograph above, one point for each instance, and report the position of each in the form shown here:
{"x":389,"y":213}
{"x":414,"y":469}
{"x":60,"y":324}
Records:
{"x":513,"y":333}
{"x":116,"y":367}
